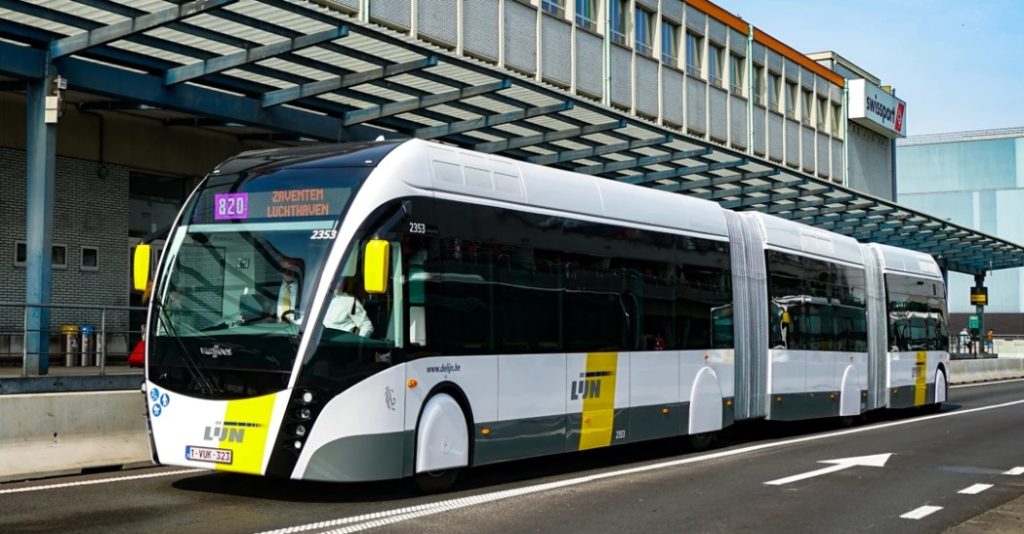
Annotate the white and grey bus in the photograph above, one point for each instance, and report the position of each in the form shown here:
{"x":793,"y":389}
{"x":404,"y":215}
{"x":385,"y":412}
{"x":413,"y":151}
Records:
{"x":407,"y":309}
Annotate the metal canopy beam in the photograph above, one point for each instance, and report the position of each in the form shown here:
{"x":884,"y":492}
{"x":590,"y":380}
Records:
{"x":291,"y":94}
{"x":632,"y":163}
{"x":743,"y":191}
{"x":783,"y":208}
{"x":433,"y":132}
{"x":420,"y":102}
{"x":107,"y":34}
{"x":679,"y":172}
{"x":547,"y":137}
{"x":119,"y":83}
{"x":564,"y":156}
{"x":724,"y":180}
{"x":192,"y":71}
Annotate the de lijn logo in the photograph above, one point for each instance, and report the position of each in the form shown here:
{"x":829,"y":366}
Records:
{"x":588,"y":386}
{"x":160,"y":401}
{"x":230,"y":432}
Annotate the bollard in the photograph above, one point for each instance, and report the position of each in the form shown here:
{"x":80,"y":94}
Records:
{"x":70,"y":343}
{"x":88,"y":344}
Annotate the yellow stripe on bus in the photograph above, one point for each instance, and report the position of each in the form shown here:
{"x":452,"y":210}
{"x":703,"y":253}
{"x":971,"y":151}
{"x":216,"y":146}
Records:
{"x":921,"y":380}
{"x":245,"y":428}
{"x":598,"y":400}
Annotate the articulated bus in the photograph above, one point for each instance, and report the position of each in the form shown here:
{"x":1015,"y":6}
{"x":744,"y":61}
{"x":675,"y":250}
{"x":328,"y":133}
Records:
{"x":406,"y":309}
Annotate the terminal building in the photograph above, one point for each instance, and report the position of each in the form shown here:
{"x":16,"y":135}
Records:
{"x":678,"y":95}
{"x":975,"y":179}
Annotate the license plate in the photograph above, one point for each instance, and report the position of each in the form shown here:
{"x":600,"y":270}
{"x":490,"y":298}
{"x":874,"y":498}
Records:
{"x":206,"y":454}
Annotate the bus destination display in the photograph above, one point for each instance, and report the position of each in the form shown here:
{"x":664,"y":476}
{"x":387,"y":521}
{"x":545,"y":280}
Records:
{"x":277,"y":204}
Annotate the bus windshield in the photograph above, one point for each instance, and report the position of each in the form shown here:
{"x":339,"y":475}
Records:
{"x":238,"y":279}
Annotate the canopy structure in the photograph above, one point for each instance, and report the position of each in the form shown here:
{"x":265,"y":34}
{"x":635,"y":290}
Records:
{"x":296,"y":71}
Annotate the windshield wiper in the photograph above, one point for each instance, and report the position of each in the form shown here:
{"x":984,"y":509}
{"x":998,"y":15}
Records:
{"x":202,"y":382}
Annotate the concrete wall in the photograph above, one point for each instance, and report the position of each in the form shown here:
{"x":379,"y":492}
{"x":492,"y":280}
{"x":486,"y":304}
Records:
{"x":55,"y":433}
{"x":965,"y":371}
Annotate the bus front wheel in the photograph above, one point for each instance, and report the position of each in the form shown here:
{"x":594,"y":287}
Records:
{"x":442,"y":443}
{"x":436,"y":481}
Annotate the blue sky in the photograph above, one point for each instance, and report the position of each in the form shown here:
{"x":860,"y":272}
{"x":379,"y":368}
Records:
{"x":959,"y":65}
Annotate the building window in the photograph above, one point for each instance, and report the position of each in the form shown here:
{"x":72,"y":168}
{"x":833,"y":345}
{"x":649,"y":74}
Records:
{"x":90,"y":259}
{"x":736,"y":74}
{"x":822,"y":113}
{"x":643,"y":31}
{"x":759,"y":88}
{"x":791,"y":99}
{"x":807,"y":108}
{"x":555,"y":7}
{"x":774,"y":87}
{"x":715,"y":65}
{"x":669,"y":43}
{"x":694,"y":54}
{"x":58,"y":258}
{"x":618,"y":28}
{"x":586,"y":14}
{"x":837,"y":117}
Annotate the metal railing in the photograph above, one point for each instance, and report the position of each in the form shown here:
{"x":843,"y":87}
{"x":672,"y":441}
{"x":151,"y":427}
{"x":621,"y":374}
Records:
{"x":109,"y":344}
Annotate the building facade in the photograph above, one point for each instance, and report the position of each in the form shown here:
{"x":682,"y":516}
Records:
{"x":689,"y":66}
{"x":975,"y":179}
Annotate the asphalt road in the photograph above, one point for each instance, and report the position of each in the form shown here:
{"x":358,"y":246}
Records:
{"x":942,"y":471}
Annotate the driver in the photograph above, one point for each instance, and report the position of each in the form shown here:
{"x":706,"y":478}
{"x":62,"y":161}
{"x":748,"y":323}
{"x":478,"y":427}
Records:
{"x":288,"y":295}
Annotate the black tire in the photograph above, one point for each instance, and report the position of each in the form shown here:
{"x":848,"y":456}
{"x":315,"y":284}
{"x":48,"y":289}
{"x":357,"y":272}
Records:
{"x":703,"y":441}
{"x":436,"y":481}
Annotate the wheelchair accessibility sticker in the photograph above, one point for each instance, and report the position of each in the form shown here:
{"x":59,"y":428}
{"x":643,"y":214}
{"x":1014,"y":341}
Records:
{"x":159,"y":401}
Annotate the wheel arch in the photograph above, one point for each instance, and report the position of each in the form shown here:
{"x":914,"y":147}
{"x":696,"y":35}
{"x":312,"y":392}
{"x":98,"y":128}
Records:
{"x":456,"y":393}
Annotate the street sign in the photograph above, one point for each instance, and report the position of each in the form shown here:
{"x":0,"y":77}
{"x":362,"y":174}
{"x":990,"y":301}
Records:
{"x":972,"y":322}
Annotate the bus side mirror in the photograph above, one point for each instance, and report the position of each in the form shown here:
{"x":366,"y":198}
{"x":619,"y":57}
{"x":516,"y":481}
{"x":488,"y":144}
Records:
{"x":140,"y":267}
{"x":376,"y":262}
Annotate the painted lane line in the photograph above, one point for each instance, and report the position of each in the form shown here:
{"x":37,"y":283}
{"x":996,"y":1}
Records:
{"x":923,"y":511}
{"x":975,"y":489}
{"x":420,"y":510}
{"x":99,"y":481}
{"x":1016,"y":471}
{"x":875,"y":460}
{"x":989,"y":383}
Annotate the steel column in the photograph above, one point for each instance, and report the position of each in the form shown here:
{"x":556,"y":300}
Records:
{"x":41,"y":144}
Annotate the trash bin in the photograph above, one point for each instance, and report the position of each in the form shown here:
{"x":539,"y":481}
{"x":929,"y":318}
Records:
{"x":70,"y":343}
{"x":88,"y":344}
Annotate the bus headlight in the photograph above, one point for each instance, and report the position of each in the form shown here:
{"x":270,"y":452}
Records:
{"x":297,"y":444}
{"x":307,"y":397}
{"x":300,"y":430}
{"x":304,"y":413}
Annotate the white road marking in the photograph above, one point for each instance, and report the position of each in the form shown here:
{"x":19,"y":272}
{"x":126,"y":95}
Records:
{"x":875,"y":460}
{"x":387,"y":517}
{"x":98,"y":481}
{"x":975,"y":489}
{"x":1015,"y":471}
{"x":989,"y":383}
{"x":923,"y":511}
